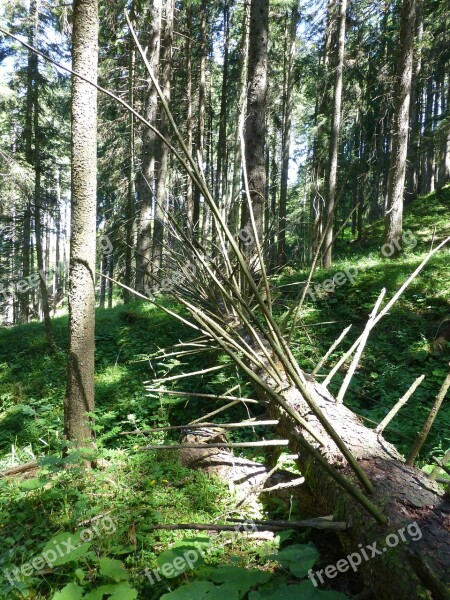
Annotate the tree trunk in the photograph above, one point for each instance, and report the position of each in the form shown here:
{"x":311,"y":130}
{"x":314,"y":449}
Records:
{"x":255,"y":130}
{"x":287,"y":124}
{"x":163,"y":151}
{"x":131,"y":192}
{"x":32,"y":69}
{"x":80,"y":372}
{"x":412,"y":175}
{"x":104,"y":271}
{"x":321,"y":123}
{"x":236,"y":187}
{"x":400,"y":128}
{"x":38,"y":195}
{"x":331,"y":173}
{"x":404,"y":494}
{"x":189,"y":121}
{"x":200,"y":143}
{"x":146,"y":177}
{"x":221,"y":170}
{"x":37,"y":224}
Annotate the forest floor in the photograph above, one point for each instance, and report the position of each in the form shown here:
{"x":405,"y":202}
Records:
{"x":131,"y":490}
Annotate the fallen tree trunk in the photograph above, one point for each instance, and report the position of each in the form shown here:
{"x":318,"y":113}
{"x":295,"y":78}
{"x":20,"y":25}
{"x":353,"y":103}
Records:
{"x":404,"y":493}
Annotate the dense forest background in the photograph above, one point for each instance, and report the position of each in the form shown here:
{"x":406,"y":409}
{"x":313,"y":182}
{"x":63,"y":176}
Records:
{"x":201,"y":60}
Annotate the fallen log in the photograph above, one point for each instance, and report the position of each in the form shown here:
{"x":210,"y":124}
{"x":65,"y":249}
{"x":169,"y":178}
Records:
{"x":404,"y":493}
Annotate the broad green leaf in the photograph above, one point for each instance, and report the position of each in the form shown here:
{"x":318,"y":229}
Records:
{"x":33,"y":484}
{"x":110,"y":567}
{"x":298,"y":558}
{"x":72,"y":591}
{"x":64,"y":548}
{"x":179,"y":559}
{"x":236,"y":579}
{"x":116,"y":591}
{"x":224,"y":592}
{"x":197,"y":590}
{"x":304,"y":590}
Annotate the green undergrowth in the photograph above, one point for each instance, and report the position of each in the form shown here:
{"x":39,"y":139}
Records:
{"x":398,"y":350}
{"x":130,"y":490}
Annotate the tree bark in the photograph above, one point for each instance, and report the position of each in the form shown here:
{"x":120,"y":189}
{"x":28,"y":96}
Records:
{"x":331,"y":173}
{"x":163,"y":150}
{"x":400,"y":128}
{"x":189,"y":121}
{"x":412,"y":174}
{"x":404,"y":493}
{"x":287,"y":124}
{"x":236,"y":187}
{"x":221,"y":169}
{"x":80,"y":372}
{"x":145,"y":183}
{"x":131,"y":192}
{"x":255,"y":130}
{"x":32,"y":67}
{"x":200,"y":142}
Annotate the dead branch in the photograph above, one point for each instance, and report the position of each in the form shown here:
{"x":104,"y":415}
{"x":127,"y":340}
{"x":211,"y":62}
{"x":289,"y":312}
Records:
{"x":403,"y":400}
{"x":421,"y":438}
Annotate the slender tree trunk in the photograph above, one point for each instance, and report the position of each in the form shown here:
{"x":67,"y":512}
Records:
{"x":29,"y":155}
{"x":146,"y":177}
{"x":402,"y":94}
{"x":256,"y":128}
{"x":189,"y":119}
{"x":110,"y":263}
{"x":36,"y":161}
{"x":57,"y":266}
{"x":201,"y":114}
{"x":236,"y":186}
{"x":104,"y":271}
{"x":221,"y":172}
{"x":163,"y":154}
{"x":80,"y":373}
{"x":412,"y":175}
{"x":37,"y":224}
{"x":445,"y":167}
{"x":271,"y":210}
{"x":131,"y":195}
{"x":286,"y":139}
{"x":321,"y":125}
{"x":331,"y":173}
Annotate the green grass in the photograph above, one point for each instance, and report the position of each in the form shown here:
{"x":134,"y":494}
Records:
{"x":398,"y":350}
{"x":139,"y":489}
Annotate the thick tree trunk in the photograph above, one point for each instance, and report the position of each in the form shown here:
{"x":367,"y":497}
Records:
{"x":335,"y":133}
{"x":400,"y":129}
{"x":80,"y":373}
{"x":255,"y":129}
{"x":404,"y":494}
{"x":145,"y":182}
